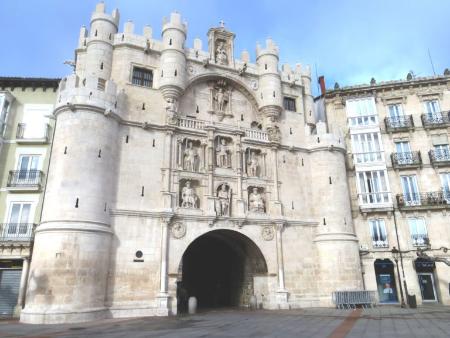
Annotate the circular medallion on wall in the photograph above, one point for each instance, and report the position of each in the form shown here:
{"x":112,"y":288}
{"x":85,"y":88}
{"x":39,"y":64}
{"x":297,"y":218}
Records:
{"x":267,"y":233}
{"x":178,"y":230}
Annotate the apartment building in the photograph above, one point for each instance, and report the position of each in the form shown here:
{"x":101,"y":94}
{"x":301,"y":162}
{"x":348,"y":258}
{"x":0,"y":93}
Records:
{"x":26,"y":127}
{"x":397,"y":136}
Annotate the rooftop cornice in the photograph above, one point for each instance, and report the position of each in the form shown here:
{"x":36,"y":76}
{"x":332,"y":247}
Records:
{"x":388,"y":85}
{"x":29,"y":82}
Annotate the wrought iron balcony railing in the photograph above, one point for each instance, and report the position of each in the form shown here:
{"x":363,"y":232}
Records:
{"x":22,"y":134}
{"x":411,"y":159}
{"x":399,"y":123}
{"x":25,"y":178}
{"x":16,"y":232}
{"x":419,"y":239}
{"x":437,"y":120}
{"x":439,"y":157}
{"x":427,"y":200}
{"x":380,"y":243}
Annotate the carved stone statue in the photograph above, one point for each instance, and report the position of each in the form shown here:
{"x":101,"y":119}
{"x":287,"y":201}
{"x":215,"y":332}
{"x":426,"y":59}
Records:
{"x":188,"y":196}
{"x":255,"y":201}
{"x":224,"y":201}
{"x":223,"y":154}
{"x":221,"y":54}
{"x":220,"y":99}
{"x":190,"y":157}
{"x":253,"y":164}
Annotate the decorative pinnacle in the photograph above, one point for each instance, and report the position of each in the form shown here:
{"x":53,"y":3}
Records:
{"x":222,"y":23}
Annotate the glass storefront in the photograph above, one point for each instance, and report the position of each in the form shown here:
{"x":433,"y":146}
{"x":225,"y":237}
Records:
{"x":386,"y":286}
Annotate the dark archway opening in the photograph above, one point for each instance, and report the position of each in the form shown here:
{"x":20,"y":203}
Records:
{"x":386,"y":284}
{"x":218,"y":269}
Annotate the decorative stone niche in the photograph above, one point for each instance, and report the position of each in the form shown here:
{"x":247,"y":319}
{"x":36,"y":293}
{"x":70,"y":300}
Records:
{"x":223,"y":151}
{"x":191,"y":155}
{"x":223,"y":200}
{"x":255,"y":162}
{"x":189,"y":192}
{"x":256,"y":200}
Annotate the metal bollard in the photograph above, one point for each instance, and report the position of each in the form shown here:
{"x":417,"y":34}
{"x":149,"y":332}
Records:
{"x":253,"y":303}
{"x":192,"y":305}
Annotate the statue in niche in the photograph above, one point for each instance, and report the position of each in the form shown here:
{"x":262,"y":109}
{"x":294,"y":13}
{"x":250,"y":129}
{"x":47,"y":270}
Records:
{"x":253,"y":164}
{"x":220,"y":99}
{"x":223,"y":154}
{"x":188,"y":196}
{"x":255,"y":201}
{"x":190,"y":158}
{"x":223,"y":200}
{"x":221,"y":53}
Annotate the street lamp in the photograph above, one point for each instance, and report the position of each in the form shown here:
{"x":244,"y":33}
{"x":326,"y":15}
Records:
{"x":396,"y":255}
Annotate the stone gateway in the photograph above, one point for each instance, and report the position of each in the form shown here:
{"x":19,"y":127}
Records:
{"x":182,"y":171}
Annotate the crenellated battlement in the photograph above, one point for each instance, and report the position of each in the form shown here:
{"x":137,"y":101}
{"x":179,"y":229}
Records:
{"x":90,"y":91}
{"x":100,"y":14}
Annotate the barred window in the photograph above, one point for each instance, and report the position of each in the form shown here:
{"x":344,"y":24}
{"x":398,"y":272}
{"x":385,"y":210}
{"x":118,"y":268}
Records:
{"x":142,"y":77}
{"x":289,"y":104}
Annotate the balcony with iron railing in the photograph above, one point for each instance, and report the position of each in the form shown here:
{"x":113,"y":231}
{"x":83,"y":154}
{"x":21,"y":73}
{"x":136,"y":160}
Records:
{"x":436,"y":120}
{"x":34,"y":137}
{"x":25,"y":180}
{"x":11,"y":233}
{"x":439,"y":158}
{"x":419,"y":239}
{"x":406,"y":160}
{"x":399,"y":123}
{"x":424,"y":201}
{"x":380,"y":243}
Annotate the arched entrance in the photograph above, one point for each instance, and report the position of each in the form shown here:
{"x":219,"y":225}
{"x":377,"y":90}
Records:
{"x":218,"y":268}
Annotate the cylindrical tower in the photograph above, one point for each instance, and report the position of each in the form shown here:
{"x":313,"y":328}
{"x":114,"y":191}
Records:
{"x":172,"y":81}
{"x":269,"y":92}
{"x":308,"y":100}
{"x":68,"y":273}
{"x":336,"y":243}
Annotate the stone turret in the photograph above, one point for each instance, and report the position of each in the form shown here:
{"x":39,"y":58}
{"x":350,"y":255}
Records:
{"x":68,"y":275}
{"x":308,"y":99}
{"x":336,"y":242}
{"x":173,"y":61}
{"x":269,"y":93}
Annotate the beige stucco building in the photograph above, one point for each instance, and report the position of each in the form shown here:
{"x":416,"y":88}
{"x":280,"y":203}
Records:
{"x":26,"y":106}
{"x":398,"y":157}
{"x":181,"y":169}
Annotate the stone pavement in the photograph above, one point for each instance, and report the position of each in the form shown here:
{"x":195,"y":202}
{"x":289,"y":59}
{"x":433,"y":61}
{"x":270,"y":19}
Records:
{"x":378,"y":322}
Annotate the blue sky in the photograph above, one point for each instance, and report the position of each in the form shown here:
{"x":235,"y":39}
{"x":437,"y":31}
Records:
{"x":347,"y":41}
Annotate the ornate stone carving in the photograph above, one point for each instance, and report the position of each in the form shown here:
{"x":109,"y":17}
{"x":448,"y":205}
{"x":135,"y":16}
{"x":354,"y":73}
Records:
{"x":223,"y":154}
{"x":267,"y":233}
{"x":223,"y":202}
{"x":171,"y":109}
{"x":189,"y":198}
{"x":256,"y":201}
{"x":178,"y":230}
{"x":254,"y":84}
{"x":274,"y":134}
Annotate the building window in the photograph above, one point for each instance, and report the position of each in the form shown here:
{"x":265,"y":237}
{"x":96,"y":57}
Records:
{"x":378,"y":233}
{"x":142,"y":77}
{"x":432,"y":108}
{"x":18,"y":224}
{"x":101,"y":84}
{"x":373,"y":187}
{"x":395,"y":111}
{"x":418,"y":230}
{"x":361,"y":112}
{"x":410,"y":188}
{"x":445,"y":181}
{"x":289,"y":104}
{"x":366,"y":148}
{"x":4,"y":105}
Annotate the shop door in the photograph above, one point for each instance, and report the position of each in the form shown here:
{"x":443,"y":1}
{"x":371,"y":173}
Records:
{"x":426,"y":283}
{"x":9,"y":291}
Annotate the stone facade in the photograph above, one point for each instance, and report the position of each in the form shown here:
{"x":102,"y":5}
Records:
{"x":162,"y":155}
{"x":25,"y":141}
{"x":399,"y":177}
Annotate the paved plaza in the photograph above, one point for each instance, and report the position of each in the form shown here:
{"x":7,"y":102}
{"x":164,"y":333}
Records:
{"x":378,"y":322}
